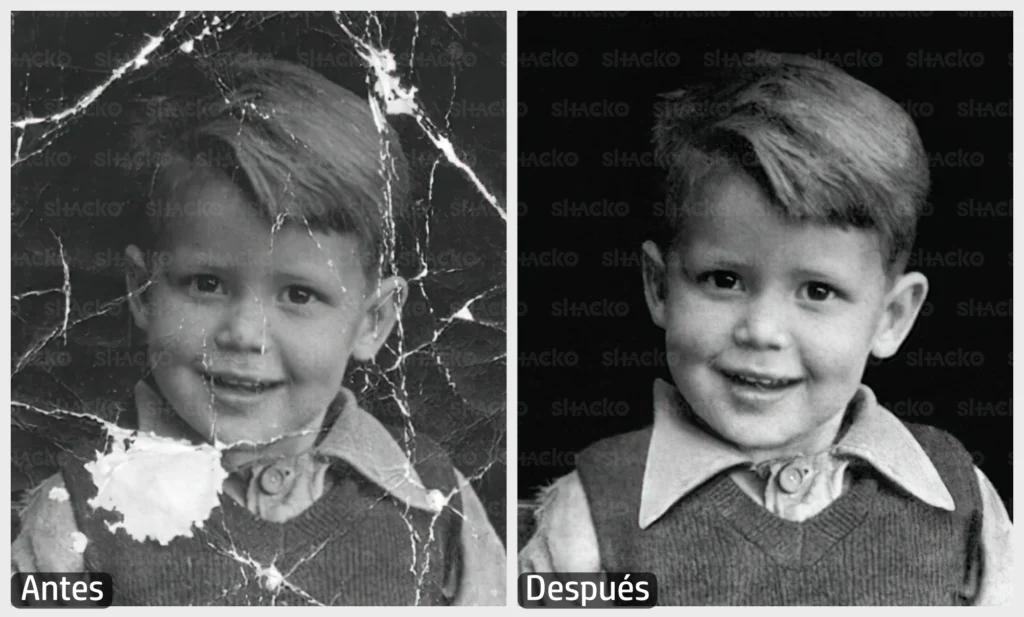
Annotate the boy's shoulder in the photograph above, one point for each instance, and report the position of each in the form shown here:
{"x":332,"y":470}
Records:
{"x":561,"y":536}
{"x":427,"y":456}
{"x":624,"y":454}
{"x":49,"y":540}
{"x":378,"y":452}
{"x":949,"y":458}
{"x":947,"y":453}
{"x":931,"y":435}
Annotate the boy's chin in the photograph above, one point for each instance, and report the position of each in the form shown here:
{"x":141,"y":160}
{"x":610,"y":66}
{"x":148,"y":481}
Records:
{"x":759,"y":441}
{"x":243,"y":438}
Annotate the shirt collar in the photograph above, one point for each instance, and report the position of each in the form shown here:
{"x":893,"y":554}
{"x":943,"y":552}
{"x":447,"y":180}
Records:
{"x":356,"y":437}
{"x":682,"y":456}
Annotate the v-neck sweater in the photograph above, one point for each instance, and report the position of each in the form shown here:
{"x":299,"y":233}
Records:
{"x":356,"y":545}
{"x":874,"y":545}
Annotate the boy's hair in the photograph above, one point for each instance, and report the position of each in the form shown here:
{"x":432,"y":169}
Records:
{"x":824,"y":146}
{"x":299,"y":145}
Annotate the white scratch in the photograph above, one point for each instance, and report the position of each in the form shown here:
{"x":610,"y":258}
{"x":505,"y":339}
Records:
{"x":66,"y":287}
{"x":463,"y":312}
{"x":400,"y":100}
{"x":135,"y":63}
{"x":38,"y":292}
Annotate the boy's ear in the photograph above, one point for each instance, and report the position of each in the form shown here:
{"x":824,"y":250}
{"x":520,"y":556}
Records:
{"x":902,"y":304}
{"x":137,"y":278}
{"x":655,"y":275}
{"x":380,"y":312}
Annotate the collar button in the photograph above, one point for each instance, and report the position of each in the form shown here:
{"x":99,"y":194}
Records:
{"x":791,"y":478}
{"x":272,"y":480}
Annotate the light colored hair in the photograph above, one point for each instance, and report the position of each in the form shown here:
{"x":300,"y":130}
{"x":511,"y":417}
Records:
{"x":824,"y":146}
{"x":299,"y":145}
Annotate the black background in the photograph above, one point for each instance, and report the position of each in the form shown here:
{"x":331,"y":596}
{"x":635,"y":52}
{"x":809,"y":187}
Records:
{"x":566,"y":57}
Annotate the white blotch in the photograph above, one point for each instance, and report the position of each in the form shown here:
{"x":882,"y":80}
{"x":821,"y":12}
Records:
{"x":190,"y":44}
{"x":161,"y":487}
{"x":464,"y":314}
{"x":453,"y":13}
{"x":78,"y":541}
{"x":271,"y":577}
{"x":59,"y":493}
{"x":436,"y":499}
{"x":137,"y":62}
{"x":216,"y":20}
{"x":397,"y":100}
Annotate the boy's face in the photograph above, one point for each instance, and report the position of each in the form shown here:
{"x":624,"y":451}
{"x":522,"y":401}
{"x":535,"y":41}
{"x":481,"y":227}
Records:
{"x":250,"y":328}
{"x":769,"y":323}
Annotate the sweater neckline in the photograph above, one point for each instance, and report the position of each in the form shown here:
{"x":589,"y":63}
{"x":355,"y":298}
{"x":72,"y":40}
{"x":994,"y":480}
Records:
{"x":791,"y":543}
{"x":322,"y":510}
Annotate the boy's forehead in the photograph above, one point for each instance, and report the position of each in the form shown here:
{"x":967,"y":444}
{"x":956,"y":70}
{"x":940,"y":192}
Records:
{"x":211,"y":222}
{"x":735,"y":216}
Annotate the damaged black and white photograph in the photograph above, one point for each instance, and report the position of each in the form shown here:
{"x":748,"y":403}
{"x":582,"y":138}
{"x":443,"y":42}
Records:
{"x":258,"y":308}
{"x":765,"y":308}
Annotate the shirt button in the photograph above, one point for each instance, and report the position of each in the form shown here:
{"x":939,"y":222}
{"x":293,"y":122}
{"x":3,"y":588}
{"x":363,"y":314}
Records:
{"x":790,"y":478}
{"x":272,"y":480}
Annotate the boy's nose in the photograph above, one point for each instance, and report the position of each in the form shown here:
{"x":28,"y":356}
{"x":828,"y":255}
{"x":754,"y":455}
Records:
{"x":245,"y":327}
{"x":762,"y":326}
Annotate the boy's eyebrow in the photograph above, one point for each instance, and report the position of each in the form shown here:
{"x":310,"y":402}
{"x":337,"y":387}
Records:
{"x":731,"y":264}
{"x":196,"y":258}
{"x":725,"y":260}
{"x":717,"y":256}
{"x":319,"y":276}
{"x":817,"y":273}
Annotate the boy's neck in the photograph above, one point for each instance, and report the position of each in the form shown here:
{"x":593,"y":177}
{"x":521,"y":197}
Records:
{"x":287,"y":446}
{"x":238,"y":457}
{"x":820,"y":440}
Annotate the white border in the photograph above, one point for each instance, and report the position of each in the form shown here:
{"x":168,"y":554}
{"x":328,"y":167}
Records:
{"x":511,"y":191}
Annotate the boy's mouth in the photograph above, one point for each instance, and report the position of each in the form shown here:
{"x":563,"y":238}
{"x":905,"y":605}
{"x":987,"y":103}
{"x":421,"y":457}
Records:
{"x":241,"y":384}
{"x":759,"y":382}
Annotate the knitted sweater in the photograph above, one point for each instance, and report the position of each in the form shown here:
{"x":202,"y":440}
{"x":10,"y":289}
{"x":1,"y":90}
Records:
{"x":356,"y":545}
{"x":874,"y":545}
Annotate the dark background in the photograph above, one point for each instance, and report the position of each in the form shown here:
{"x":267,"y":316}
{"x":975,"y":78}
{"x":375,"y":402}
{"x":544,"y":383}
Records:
{"x":588,"y":351}
{"x":75,"y":187}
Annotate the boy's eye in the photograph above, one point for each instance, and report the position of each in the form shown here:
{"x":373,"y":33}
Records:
{"x":300,"y":295}
{"x":204,"y":283}
{"x":819,"y":292}
{"x":722,"y":279}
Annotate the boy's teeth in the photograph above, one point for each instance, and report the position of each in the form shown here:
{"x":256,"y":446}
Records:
{"x":768,"y":383}
{"x":235,"y":383}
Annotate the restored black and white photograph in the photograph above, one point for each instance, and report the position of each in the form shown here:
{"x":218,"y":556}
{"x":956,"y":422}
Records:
{"x":258,"y":308}
{"x":765,"y":308}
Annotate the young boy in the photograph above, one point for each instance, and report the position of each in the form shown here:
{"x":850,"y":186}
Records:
{"x":256,"y":280}
{"x":771,"y":475}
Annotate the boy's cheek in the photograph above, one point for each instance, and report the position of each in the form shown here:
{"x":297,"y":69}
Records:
{"x":324,"y":367}
{"x":694,"y":324}
{"x":181,"y":318}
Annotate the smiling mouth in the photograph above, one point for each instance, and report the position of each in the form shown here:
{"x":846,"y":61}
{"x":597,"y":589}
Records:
{"x":237,"y":384}
{"x":758,"y":382}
